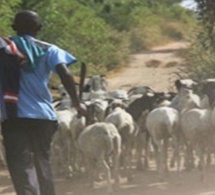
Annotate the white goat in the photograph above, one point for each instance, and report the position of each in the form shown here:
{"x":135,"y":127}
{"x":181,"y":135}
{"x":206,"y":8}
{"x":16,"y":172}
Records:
{"x":95,"y":112}
{"x":162,"y":124}
{"x":184,"y":96}
{"x":198,"y":129}
{"x":183,"y":86}
{"x":97,"y":142}
{"x":128,"y":131}
{"x":95,"y":88}
{"x":197,"y":133}
{"x":95,"y":83}
{"x":100,"y":107}
{"x":183,"y":101}
{"x":62,"y":141}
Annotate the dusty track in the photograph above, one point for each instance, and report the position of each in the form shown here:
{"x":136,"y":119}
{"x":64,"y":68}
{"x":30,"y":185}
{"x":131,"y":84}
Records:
{"x":153,"y":68}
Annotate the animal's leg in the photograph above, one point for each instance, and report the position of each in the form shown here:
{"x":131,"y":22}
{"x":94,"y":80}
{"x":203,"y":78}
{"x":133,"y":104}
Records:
{"x":116,"y":157}
{"x":156,"y":146}
{"x":164,"y":157}
{"x":201,"y":165}
{"x":107,"y":172}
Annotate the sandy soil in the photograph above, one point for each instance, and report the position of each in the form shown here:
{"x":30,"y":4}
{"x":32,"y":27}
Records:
{"x":153,"y":68}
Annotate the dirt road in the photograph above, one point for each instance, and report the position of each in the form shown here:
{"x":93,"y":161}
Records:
{"x":153,"y":68}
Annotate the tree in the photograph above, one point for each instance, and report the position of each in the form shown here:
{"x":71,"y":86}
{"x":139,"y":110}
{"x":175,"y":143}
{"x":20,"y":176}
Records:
{"x":7,"y":9}
{"x":206,"y":14}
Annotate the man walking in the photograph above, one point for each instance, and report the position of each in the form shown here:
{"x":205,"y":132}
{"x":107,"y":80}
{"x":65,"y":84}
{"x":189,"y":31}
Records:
{"x":27,"y":114}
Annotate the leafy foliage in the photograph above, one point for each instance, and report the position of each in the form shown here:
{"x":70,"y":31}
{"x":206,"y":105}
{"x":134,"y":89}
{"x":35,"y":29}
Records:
{"x":200,"y":62}
{"x":7,"y":8}
{"x":200,"y":57}
{"x":103,"y":33}
{"x":206,"y":13}
{"x":85,"y":35}
{"x":148,"y":28}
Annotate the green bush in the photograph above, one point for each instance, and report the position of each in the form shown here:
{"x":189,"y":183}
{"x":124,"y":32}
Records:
{"x":142,"y":39}
{"x":172,"y":30}
{"x":85,"y":35}
{"x":7,"y":8}
{"x":161,"y":24}
{"x":146,"y":29}
{"x":103,"y":33}
{"x":200,"y":62}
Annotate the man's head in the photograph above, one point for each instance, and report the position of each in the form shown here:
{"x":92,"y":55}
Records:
{"x":27,"y":22}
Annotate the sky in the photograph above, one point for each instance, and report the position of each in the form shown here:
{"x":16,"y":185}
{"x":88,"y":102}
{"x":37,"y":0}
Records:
{"x":190,"y":4}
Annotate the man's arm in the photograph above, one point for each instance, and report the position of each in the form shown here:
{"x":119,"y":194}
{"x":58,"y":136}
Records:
{"x":68,"y":82}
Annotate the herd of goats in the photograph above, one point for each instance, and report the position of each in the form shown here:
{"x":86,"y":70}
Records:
{"x":123,"y":127}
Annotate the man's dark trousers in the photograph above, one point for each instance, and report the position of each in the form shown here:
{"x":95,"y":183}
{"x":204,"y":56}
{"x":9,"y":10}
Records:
{"x":27,"y":146}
